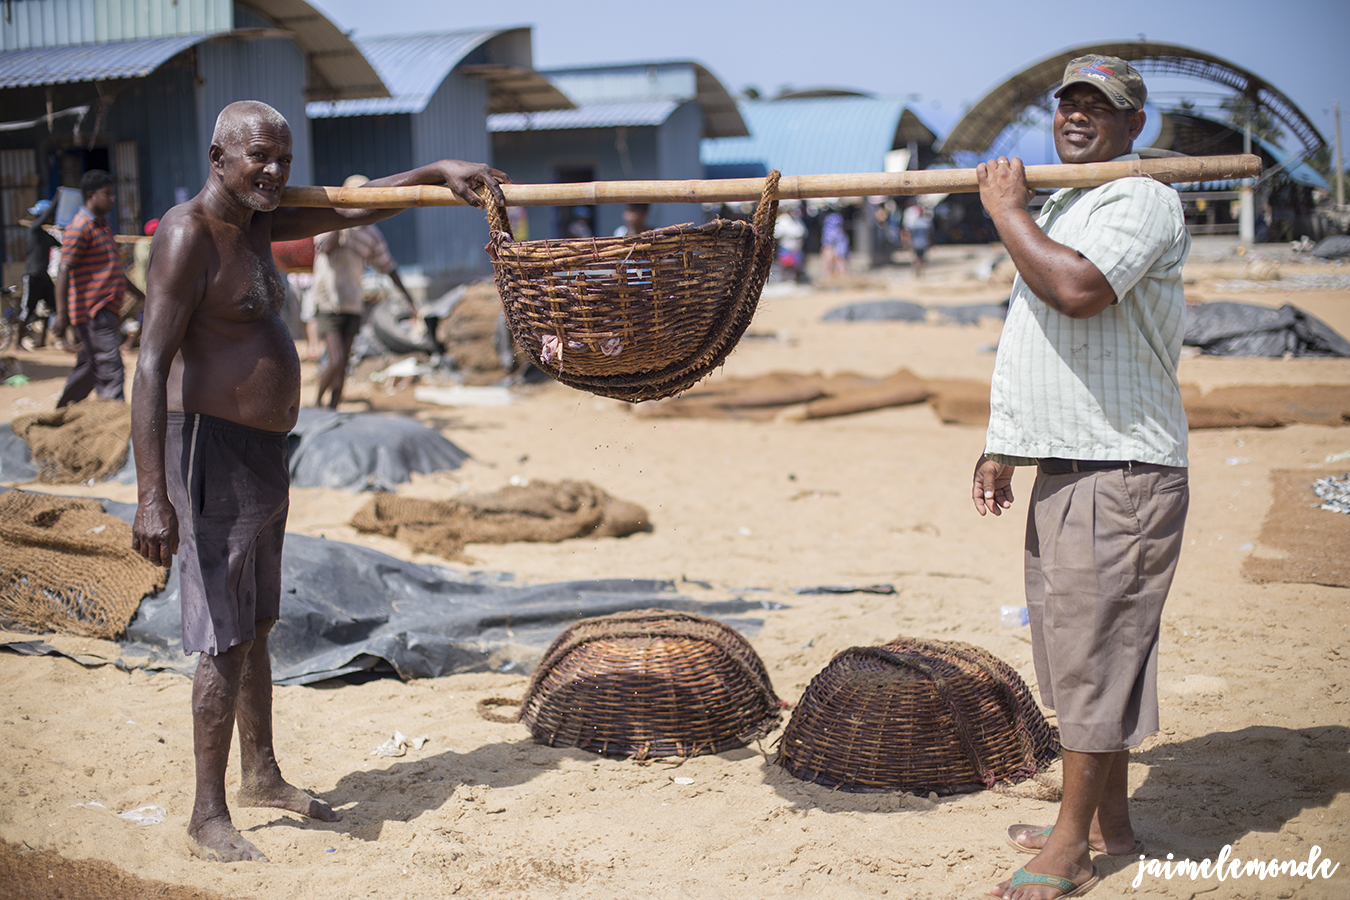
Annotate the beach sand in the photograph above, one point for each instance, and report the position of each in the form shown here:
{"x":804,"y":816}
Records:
{"x":1253,"y":683}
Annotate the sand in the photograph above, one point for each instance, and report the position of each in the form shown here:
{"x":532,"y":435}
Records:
{"x":1253,"y":680}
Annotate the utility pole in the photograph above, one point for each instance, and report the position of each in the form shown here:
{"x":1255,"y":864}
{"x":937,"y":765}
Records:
{"x":1340,"y":166}
{"x":1246,"y":208}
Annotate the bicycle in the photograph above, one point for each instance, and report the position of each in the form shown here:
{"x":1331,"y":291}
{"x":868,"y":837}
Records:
{"x":11,"y":316}
{"x":11,"y":310}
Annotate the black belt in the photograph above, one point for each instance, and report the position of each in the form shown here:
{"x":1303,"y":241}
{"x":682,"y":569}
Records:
{"x":1051,"y":465}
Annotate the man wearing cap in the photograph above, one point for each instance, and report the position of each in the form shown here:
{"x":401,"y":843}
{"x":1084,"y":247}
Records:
{"x":89,"y":288}
{"x":340,"y":258}
{"x":37,"y":281}
{"x":1085,"y":388}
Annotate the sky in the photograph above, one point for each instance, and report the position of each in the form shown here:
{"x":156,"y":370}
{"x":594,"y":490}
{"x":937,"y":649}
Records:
{"x":943,"y":56}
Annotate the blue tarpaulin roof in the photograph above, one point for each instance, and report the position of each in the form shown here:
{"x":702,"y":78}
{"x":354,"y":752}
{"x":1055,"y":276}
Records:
{"x":91,"y":62}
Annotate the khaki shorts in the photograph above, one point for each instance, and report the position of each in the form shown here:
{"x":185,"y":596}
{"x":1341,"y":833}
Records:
{"x":344,"y":324}
{"x":1101,"y":550}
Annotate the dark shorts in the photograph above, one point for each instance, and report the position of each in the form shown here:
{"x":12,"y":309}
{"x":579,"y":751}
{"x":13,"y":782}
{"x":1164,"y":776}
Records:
{"x":230,"y":486}
{"x":37,"y":288}
{"x":345,"y":324}
{"x":1101,"y":549}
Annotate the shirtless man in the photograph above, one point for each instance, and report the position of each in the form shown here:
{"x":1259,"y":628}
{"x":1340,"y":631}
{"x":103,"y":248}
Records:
{"x":216,"y":390}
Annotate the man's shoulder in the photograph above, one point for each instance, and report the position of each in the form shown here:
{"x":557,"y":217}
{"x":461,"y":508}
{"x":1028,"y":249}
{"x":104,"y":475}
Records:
{"x":183,"y":239}
{"x":1140,"y":188}
{"x":189,"y":221}
{"x":79,"y":225}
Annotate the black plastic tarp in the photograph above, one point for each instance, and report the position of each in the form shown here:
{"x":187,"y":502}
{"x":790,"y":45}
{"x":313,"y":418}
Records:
{"x":350,"y":451}
{"x":347,"y":608}
{"x":877,"y":311}
{"x":1333,"y":246}
{"x":1226,"y":328}
{"x":906,"y":311}
{"x":365,"y":451}
{"x":16,"y":460}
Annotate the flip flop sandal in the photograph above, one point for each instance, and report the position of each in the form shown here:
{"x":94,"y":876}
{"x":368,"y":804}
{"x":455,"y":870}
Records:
{"x":1070,"y":889}
{"x":1022,"y":830}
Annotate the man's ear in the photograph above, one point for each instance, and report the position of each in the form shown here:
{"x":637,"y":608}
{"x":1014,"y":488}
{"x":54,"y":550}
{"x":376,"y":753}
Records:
{"x":1137,"y":123}
{"x":216,"y":155}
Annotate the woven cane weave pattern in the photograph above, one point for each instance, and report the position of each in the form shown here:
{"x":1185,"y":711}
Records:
{"x":638,"y":317}
{"x":917,"y":716}
{"x":650,"y":683}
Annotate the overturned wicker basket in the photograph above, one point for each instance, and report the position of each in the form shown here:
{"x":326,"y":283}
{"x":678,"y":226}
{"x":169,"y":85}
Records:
{"x":919,"y":716}
{"x":638,"y":317}
{"x":650,"y":683}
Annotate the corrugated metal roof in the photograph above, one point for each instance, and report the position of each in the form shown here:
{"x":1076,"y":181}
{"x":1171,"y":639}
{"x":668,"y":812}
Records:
{"x":337,"y":69}
{"x":596,"y":115}
{"x":631,"y":82}
{"x":812,"y":137}
{"x":66,"y":23}
{"x":668,"y":80}
{"x":91,"y":62}
{"x":103,"y":39}
{"x":411,"y":66}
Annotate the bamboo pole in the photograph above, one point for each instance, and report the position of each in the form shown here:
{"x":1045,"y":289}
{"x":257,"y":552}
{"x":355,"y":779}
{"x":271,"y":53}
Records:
{"x":1171,"y":170}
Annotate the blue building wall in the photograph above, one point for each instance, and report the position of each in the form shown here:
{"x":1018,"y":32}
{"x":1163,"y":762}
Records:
{"x":632,"y":153}
{"x":678,"y":141}
{"x":372,"y":146}
{"x":269,"y":69}
{"x":444,"y":243}
{"x":452,"y":126}
{"x":159,"y":113}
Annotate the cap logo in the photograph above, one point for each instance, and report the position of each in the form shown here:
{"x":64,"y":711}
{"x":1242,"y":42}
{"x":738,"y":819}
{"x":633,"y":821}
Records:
{"x":1096,"y":70}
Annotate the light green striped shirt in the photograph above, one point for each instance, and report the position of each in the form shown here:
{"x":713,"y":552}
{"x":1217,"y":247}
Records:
{"x":1102,"y":388}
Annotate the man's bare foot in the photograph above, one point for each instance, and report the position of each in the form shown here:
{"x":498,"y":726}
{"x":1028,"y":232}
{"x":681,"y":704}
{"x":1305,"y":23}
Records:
{"x":281,"y":795}
{"x":217,"y":840}
{"x":1032,"y":839}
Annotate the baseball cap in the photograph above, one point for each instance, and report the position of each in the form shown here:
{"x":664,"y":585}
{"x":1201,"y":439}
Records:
{"x":39,"y":209}
{"x":1118,"y":80}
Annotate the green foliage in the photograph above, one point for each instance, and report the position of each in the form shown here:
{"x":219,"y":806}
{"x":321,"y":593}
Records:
{"x":1246,"y":111}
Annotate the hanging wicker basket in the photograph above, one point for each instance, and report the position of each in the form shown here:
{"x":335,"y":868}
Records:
{"x":917,"y":716}
{"x":638,"y":317}
{"x":650,"y":683}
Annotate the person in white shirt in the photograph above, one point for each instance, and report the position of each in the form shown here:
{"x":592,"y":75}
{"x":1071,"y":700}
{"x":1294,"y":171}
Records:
{"x":1085,"y":388}
{"x":634,"y":220}
{"x":340,"y":259}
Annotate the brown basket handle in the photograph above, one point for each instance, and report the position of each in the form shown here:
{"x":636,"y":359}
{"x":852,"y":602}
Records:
{"x":766,"y":213}
{"x":486,"y":705}
{"x":498,"y":221}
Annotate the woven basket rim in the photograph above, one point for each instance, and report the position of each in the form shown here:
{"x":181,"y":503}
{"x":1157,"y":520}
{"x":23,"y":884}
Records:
{"x":1017,"y":746}
{"x":667,"y":377}
{"x":650,"y":704}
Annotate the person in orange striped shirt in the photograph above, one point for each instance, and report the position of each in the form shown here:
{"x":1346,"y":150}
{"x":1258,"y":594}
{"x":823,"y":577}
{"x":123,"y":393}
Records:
{"x":89,"y":288}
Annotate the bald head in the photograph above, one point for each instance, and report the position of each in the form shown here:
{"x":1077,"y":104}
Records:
{"x":238,"y":120}
{"x":251,"y":154}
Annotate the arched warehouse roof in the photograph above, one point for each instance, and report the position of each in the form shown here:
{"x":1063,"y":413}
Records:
{"x":998,"y":109}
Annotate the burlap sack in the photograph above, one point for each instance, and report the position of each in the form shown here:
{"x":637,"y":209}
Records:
{"x":67,"y":566}
{"x":541,"y":511}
